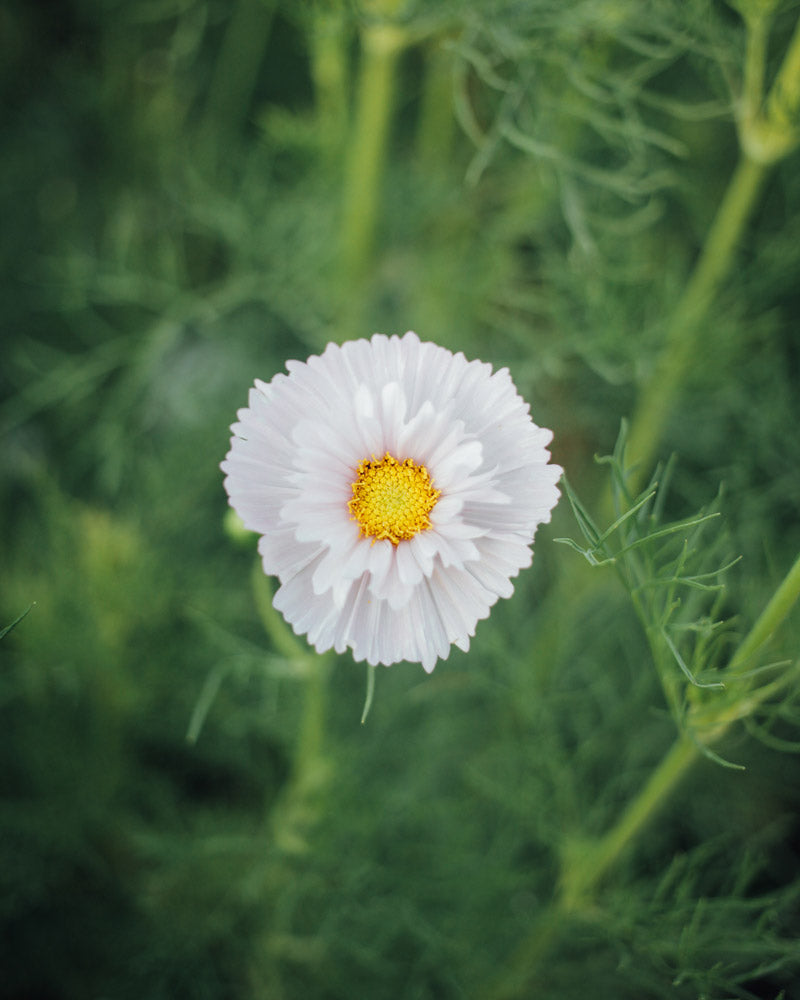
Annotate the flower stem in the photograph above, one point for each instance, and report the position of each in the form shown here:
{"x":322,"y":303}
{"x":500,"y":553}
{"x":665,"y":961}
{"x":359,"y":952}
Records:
{"x":714,"y":263}
{"x":381,"y":46}
{"x":584,"y":867}
{"x":768,"y":621}
{"x":585,"y":863}
{"x":436,"y":121}
{"x":309,"y":767}
{"x":757,"y":20}
{"x":328,"y":44}
{"x":283,"y":639}
{"x":784,"y":98}
{"x":297,"y":808}
{"x":588,"y":866}
{"x":768,"y":132}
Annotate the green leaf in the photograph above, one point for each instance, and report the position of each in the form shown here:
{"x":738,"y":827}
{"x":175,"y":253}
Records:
{"x":4,"y":632}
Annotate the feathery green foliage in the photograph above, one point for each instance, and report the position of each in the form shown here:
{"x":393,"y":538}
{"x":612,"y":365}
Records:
{"x":602,"y":195}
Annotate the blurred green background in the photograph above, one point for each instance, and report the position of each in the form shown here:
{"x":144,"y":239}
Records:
{"x":195,"y":191}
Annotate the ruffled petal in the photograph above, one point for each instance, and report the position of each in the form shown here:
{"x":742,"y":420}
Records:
{"x":295,"y":456}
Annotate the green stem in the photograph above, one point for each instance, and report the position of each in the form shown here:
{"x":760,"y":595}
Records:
{"x":768,"y":621}
{"x":766,"y":135}
{"x":282,"y":637}
{"x":297,"y":809}
{"x":755,"y":61}
{"x":381,"y":47}
{"x":657,"y":396}
{"x":519,"y":976}
{"x":436,"y":121}
{"x":784,"y":98}
{"x":585,"y":864}
{"x":586,"y":869}
{"x":309,"y":764}
{"x":330,"y":35}
{"x":370,"y":693}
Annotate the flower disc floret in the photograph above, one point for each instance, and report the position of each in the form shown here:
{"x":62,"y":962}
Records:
{"x":391,"y":499}
{"x":399,"y":557}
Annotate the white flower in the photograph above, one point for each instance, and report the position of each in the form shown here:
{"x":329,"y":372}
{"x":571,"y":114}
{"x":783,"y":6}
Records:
{"x":397,"y":488}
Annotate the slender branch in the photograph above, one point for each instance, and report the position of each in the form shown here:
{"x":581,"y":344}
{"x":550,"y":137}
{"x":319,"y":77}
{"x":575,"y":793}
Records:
{"x":765,"y":137}
{"x":381,"y":47}
{"x":755,"y":61}
{"x":585,"y":863}
{"x":658,"y":394}
{"x":297,"y":808}
{"x":781,"y":603}
{"x":328,"y":45}
{"x":783,"y":103}
{"x":582,"y":876}
{"x":436,"y":121}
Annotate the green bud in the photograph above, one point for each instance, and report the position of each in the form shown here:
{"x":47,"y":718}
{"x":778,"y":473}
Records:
{"x":235,"y":530}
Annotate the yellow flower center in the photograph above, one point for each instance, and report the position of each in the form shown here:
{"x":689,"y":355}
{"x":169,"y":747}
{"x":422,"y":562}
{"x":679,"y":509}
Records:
{"x":391,"y":499}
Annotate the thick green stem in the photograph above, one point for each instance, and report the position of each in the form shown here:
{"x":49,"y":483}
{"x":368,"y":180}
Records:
{"x":309,"y":767}
{"x":283,"y":639}
{"x":771,"y":617}
{"x":768,"y":131}
{"x":297,"y":809}
{"x":755,"y":62}
{"x":585,"y":863}
{"x":381,"y":47}
{"x":657,"y":396}
{"x":784,"y":99}
{"x":584,"y":867}
{"x":330,"y":36}
{"x":436,"y":121}
{"x":587,"y":867}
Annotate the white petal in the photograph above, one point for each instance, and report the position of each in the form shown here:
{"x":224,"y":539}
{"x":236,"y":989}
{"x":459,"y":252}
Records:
{"x":392,"y":416}
{"x":330,"y":568}
{"x":294,"y":454}
{"x":409,"y":571}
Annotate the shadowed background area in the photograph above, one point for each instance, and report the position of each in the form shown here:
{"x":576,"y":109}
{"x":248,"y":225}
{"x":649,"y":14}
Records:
{"x":602,"y":195}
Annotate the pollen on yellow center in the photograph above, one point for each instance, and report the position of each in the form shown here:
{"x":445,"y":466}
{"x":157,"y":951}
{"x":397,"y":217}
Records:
{"x":391,"y":499}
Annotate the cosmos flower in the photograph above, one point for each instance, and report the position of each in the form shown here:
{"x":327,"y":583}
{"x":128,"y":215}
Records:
{"x":397,"y":488}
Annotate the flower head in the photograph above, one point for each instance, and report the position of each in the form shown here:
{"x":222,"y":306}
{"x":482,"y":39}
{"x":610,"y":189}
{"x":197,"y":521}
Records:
{"x":397,"y":488}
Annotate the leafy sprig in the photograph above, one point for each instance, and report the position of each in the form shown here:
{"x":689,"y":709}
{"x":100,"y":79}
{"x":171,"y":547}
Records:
{"x":674,"y":572}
